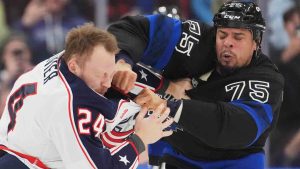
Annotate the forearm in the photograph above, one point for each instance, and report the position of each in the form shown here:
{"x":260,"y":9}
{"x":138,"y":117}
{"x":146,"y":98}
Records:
{"x":218,"y":124}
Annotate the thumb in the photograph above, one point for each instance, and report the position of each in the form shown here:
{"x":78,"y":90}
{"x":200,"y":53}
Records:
{"x":142,"y":113}
{"x":142,"y":99}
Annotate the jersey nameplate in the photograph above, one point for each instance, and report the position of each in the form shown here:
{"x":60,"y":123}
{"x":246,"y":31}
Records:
{"x":50,"y":69}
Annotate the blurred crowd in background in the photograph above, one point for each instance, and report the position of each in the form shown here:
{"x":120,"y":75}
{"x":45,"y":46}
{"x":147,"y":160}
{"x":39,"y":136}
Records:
{"x":34,"y":30}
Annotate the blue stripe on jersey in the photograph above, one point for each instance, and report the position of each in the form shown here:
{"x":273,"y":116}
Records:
{"x":261,"y":114}
{"x":164,"y":34}
{"x":161,"y":148}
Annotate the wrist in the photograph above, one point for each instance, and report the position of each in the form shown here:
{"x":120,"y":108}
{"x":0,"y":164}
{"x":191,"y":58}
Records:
{"x":122,"y":63}
{"x":122,"y":55}
{"x":136,"y":139}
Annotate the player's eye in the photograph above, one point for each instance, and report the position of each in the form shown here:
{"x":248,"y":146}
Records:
{"x":222,"y":35}
{"x":238,"y":38}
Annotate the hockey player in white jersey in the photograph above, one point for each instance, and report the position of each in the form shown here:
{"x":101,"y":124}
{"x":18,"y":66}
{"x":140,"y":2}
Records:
{"x":56,"y":114}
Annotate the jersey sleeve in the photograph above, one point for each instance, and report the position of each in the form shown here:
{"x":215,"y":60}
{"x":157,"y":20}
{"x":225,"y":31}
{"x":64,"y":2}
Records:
{"x":165,"y":43}
{"x":149,"y":39}
{"x":245,"y":105}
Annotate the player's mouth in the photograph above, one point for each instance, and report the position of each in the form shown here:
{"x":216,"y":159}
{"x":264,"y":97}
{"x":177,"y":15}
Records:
{"x":227,"y":56}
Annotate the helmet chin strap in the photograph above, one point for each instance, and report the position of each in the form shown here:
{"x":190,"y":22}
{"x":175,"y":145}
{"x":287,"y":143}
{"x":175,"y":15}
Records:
{"x":258,"y":47}
{"x":257,"y":51}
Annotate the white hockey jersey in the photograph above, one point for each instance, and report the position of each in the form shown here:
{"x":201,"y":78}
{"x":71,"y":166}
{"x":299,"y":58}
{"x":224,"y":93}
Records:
{"x":52,"y":115}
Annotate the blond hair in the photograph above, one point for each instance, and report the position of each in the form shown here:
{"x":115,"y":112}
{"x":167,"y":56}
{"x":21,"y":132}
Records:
{"x":80,"y":41}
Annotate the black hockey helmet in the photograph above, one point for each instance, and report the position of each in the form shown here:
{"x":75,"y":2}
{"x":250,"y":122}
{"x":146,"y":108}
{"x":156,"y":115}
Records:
{"x":235,"y":14}
{"x":170,"y":11}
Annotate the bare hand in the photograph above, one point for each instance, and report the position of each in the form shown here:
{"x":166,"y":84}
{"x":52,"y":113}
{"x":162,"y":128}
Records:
{"x":292,"y":149}
{"x":149,"y":99}
{"x":292,"y":50}
{"x":34,"y":12}
{"x":124,"y":77}
{"x":177,"y":88}
{"x":150,"y":129}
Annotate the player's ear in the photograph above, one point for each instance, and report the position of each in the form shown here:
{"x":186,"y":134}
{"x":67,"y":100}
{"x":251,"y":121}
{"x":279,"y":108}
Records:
{"x":74,"y":67}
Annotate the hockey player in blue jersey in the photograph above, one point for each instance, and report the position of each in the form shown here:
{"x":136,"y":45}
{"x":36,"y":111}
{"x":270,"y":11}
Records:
{"x":57,"y":116}
{"x":235,"y":90}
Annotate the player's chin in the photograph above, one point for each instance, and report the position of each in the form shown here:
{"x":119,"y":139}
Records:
{"x":226,"y":69}
{"x":228,"y":64}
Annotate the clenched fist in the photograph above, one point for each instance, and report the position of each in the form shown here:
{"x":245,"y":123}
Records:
{"x":124,"y":77}
{"x":149,"y":99}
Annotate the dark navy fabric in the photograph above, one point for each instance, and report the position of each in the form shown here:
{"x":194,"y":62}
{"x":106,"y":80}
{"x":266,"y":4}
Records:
{"x":8,"y":161}
{"x":84,"y":97}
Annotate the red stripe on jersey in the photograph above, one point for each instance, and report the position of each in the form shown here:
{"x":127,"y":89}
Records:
{"x":122,"y":134}
{"x":33,"y":160}
{"x":135,"y":163}
{"x":137,"y":153}
{"x":144,"y":86}
{"x":116,"y":149}
{"x":114,"y":140}
{"x":106,"y":142}
{"x":160,"y":85}
{"x":72,"y":122}
{"x":111,"y":121}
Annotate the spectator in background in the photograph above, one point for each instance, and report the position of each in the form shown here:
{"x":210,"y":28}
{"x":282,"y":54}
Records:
{"x":292,"y":26}
{"x":16,"y":58}
{"x":46,"y":24}
{"x":278,"y":39}
{"x":282,"y":153}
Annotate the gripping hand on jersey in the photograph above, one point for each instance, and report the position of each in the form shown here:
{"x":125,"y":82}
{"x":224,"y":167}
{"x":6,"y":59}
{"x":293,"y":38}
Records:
{"x":150,"y":100}
{"x":178,"y":87}
{"x":152,"y":128}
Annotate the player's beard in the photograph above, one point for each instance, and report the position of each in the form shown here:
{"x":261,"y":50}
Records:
{"x":225,"y":71}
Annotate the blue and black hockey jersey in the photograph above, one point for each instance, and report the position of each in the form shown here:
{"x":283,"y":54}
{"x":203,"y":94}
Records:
{"x":229,"y":117}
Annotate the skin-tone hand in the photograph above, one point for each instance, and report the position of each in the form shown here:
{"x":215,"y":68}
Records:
{"x":34,"y":12}
{"x":124,"y":77}
{"x":292,"y":149}
{"x":177,"y":88}
{"x":149,"y":99}
{"x":150,"y":129}
{"x":292,"y":50}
